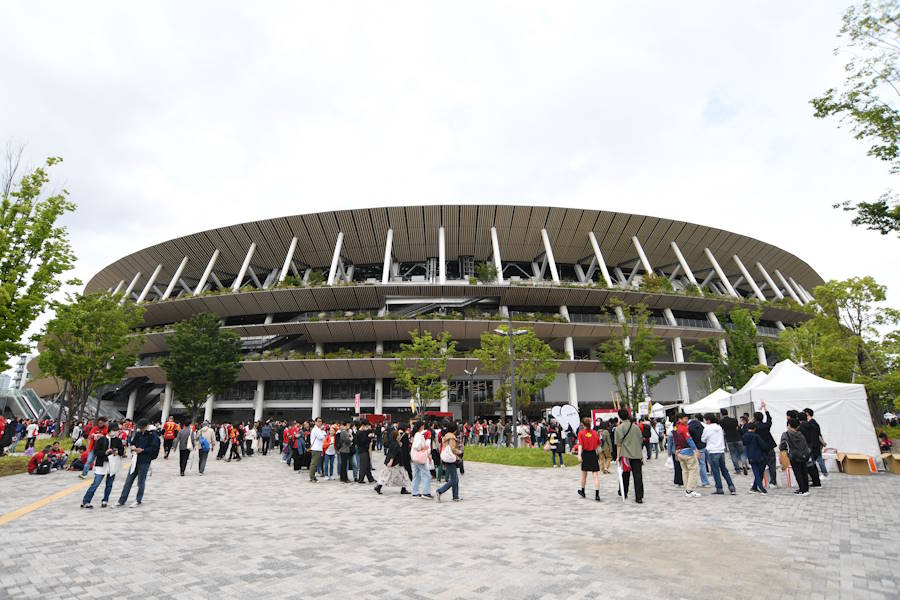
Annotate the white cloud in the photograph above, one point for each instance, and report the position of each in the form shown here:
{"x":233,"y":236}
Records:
{"x":176,"y":117}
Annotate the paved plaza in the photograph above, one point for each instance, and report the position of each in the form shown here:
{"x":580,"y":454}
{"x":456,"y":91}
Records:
{"x":257,"y":529}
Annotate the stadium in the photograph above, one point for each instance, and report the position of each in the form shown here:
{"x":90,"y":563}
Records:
{"x":323,"y":301}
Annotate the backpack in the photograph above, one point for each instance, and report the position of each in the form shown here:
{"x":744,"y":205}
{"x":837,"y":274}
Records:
{"x":154,"y":446}
{"x":43,"y":468}
{"x":204,"y":444}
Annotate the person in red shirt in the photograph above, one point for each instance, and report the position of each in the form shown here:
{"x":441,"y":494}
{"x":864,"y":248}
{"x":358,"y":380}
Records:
{"x":36,"y":459}
{"x":170,"y":430}
{"x":95,"y":432}
{"x":588,"y":442}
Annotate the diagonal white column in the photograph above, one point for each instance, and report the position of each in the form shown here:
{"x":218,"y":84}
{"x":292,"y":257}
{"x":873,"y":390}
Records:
{"x":287,"y":260}
{"x":209,"y":267}
{"x":130,"y":287}
{"x":643,"y":257}
{"x":119,"y":287}
{"x":496,"y":248}
{"x":720,"y":272}
{"x":167,"y":402}
{"x":335,"y":258}
{"x":132,"y":400}
{"x":770,"y":281}
{"x":749,"y":279}
{"x":800,"y":291}
{"x":442,"y":257}
{"x":684,"y":266}
{"x":549,"y":252}
{"x":788,"y":287}
{"x":678,"y":354}
{"x":723,"y":346}
{"x":150,"y":283}
{"x":388,"y":247}
{"x":236,"y":285}
{"x":600,"y":262}
{"x":175,"y":279}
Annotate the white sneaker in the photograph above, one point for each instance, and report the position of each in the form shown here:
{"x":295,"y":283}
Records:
{"x":134,"y":505}
{"x":693,"y":494}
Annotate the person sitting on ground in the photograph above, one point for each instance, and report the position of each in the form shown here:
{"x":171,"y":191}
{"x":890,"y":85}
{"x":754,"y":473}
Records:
{"x":39,"y":464}
{"x":58,"y":457}
{"x":884,"y":442}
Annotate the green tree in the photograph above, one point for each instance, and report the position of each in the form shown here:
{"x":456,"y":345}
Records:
{"x":741,"y":362}
{"x":34,"y":250}
{"x":89,"y":343}
{"x":867,"y":100}
{"x":203,"y":359}
{"x":536,"y":364}
{"x":422,"y":365}
{"x":629,"y":354}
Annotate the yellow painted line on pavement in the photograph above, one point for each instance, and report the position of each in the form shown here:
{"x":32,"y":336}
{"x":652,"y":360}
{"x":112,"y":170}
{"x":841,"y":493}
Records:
{"x":29,"y":508}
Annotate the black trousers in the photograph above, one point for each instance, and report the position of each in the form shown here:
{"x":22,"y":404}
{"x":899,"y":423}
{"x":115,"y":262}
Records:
{"x":773,"y":469}
{"x":183,"y":456}
{"x":223,"y":448}
{"x":636,"y":467}
{"x":167,"y":446}
{"x":801,"y":474}
{"x":265,"y":446}
{"x":295,"y":458}
{"x":365,"y":467}
{"x":346,"y":457}
{"x":678,"y":477}
{"x":201,"y":461}
{"x":234,"y":452}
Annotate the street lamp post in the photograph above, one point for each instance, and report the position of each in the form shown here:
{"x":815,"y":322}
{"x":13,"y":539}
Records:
{"x":471,"y":375}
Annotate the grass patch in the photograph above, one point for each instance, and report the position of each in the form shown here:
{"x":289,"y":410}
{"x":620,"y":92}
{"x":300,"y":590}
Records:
{"x":64,"y":443}
{"x":13,"y":465}
{"x":519,"y":457}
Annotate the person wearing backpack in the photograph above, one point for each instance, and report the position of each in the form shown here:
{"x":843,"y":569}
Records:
{"x":144,"y":448}
{"x":794,"y":443}
{"x":206,"y":438}
{"x":39,"y":463}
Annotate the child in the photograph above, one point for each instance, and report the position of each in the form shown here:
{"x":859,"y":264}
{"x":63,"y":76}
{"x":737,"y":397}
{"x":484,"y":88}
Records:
{"x":756,"y":453}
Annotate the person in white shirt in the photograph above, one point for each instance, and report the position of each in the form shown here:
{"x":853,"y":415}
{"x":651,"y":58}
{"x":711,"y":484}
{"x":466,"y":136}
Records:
{"x":714,"y":438}
{"x":31,"y":433}
{"x":654,"y":441}
{"x":316,"y":439}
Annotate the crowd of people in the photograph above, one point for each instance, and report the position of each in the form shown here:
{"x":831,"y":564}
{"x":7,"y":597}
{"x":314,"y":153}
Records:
{"x":423,"y":453}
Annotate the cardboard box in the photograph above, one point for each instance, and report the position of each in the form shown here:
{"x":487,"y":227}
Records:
{"x":854,"y":464}
{"x":891,"y":462}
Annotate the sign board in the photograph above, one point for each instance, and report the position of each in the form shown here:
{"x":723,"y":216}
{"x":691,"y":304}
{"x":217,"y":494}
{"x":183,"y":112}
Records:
{"x":598,"y":416}
{"x":356,"y":403}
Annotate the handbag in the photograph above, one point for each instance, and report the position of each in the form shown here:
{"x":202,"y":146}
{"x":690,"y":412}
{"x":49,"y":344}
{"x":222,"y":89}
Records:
{"x":626,"y":464}
{"x":784,"y":457}
{"x":420,"y":457}
{"x":447,"y":455}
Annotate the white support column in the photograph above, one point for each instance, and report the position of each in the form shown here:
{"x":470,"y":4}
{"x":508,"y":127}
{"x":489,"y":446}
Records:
{"x":149,"y":284}
{"x":260,"y":396}
{"x":549,"y":252}
{"x":209,"y":407}
{"x":720,"y":273}
{"x":175,"y":279}
{"x":335,"y":258}
{"x":379,"y":396}
{"x":643,"y":257}
{"x":788,"y":287}
{"x":167,"y":402}
{"x":761,"y":355}
{"x":809,"y":296}
{"x":119,"y":287}
{"x":130,"y":287}
{"x":209,"y":267}
{"x":317,"y":399}
{"x":132,"y":400}
{"x":723,"y":347}
{"x":684,"y":266}
{"x":749,"y":278}
{"x":287,"y":260}
{"x":388,"y":248}
{"x":800,"y":293}
{"x":678,"y":355}
{"x":445,"y":398}
{"x":240,"y":276}
{"x":495,"y":245}
{"x":600,"y":262}
{"x":442,"y":257}
{"x":770,"y":281}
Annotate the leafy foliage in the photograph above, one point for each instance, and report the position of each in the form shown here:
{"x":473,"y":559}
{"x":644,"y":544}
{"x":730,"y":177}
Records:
{"x":89,"y":344}
{"x":629,"y":354}
{"x":735,"y":369}
{"x":422,"y":365}
{"x":536,"y":364}
{"x":203,"y":359}
{"x":866,"y":102}
{"x":34,"y":251}
{"x":486,"y":272}
{"x":656,"y":284}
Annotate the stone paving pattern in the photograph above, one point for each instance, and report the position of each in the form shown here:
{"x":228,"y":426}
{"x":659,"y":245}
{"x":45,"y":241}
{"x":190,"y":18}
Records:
{"x":256,"y":528}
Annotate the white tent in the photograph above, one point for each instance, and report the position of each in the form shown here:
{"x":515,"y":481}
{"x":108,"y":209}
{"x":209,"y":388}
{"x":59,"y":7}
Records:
{"x":840,"y":408}
{"x":742,"y":396}
{"x":711,"y":404}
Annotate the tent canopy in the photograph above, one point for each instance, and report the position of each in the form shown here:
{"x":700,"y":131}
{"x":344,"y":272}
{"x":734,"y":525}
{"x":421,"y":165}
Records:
{"x":841,"y":409}
{"x":742,"y":396}
{"x":710,"y":404}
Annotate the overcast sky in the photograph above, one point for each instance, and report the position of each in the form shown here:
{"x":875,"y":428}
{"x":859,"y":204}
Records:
{"x":182,"y":116}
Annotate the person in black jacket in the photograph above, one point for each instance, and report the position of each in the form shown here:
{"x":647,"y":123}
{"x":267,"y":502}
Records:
{"x":811,"y":434}
{"x":393,"y":474}
{"x":695,"y":428}
{"x":764,"y":431}
{"x":145,"y":447}
{"x":363,"y":440}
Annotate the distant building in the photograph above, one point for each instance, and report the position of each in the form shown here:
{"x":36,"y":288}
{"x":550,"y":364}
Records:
{"x":20,"y":374}
{"x":5,"y":381}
